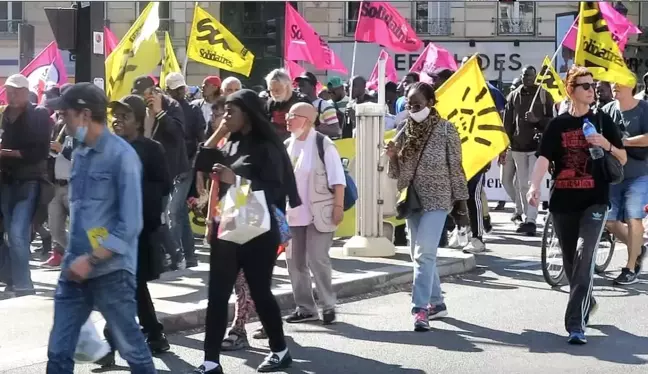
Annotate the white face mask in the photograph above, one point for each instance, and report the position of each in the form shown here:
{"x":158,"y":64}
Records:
{"x":297,"y":133}
{"x":421,"y":115}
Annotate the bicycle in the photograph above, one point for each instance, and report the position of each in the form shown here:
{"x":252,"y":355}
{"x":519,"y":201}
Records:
{"x":551,"y":247}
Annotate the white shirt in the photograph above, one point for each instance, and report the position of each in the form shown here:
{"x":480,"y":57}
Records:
{"x":206,"y":111}
{"x":301,"y":154}
{"x":63,"y":166}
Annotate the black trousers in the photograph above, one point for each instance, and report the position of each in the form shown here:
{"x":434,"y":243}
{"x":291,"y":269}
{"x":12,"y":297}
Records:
{"x":257,"y":259}
{"x":579,"y":234}
{"x":145,"y":313}
{"x":475,"y":209}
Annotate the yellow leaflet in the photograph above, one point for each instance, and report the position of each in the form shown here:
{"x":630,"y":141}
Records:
{"x":213,"y":44}
{"x":597,"y":51}
{"x":97,"y":235}
{"x":170,"y":63}
{"x":550,"y":80}
{"x":465,"y":100}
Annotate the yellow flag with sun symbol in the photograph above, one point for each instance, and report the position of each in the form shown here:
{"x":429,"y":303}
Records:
{"x":550,"y":80}
{"x":465,"y":100}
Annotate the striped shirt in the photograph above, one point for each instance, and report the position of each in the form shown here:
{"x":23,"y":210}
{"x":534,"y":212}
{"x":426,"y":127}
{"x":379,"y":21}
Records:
{"x":326,"y":112}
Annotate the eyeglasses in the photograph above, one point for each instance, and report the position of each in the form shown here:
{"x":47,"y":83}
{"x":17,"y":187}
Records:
{"x":586,"y":86}
{"x":290,"y":116}
{"x":414,"y":108}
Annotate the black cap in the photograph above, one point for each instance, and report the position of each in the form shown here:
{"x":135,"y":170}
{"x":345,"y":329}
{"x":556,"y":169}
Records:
{"x":310,"y":77}
{"x":79,"y":96}
{"x":141,"y":84}
{"x":132,"y":103}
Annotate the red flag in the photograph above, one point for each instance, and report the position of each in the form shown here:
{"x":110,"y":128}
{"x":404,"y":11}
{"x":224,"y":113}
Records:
{"x":390,"y":71}
{"x":295,"y":70}
{"x":303,"y":43}
{"x":110,"y":41}
{"x":379,"y":22}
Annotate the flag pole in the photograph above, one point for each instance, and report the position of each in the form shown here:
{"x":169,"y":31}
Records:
{"x":353,"y":61}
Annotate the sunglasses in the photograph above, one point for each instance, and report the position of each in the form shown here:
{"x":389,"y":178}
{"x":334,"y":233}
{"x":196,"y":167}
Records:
{"x":586,"y":86}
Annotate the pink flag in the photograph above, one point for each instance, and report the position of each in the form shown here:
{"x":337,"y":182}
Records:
{"x":620,"y":27}
{"x":379,"y":22}
{"x":303,"y":43}
{"x":390,"y":71}
{"x":48,"y":66}
{"x":434,"y":58}
{"x":110,"y":41}
{"x":295,"y":70}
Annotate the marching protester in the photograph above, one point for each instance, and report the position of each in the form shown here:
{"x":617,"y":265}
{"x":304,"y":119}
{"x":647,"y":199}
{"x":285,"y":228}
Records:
{"x":210,"y":91}
{"x":194,"y":122}
{"x":408,"y":80}
{"x":230,"y":85}
{"x":627,"y":199}
{"x":23,"y":170}
{"x":643,"y":95}
{"x":326,"y":121}
{"x":603,"y":94}
{"x":268,"y":167}
{"x":579,"y":201}
{"x":359,"y":95}
{"x":524,"y":125}
{"x":320,"y":183}
{"x":507,"y":172}
{"x":282,"y":98}
{"x":129,"y":114}
{"x":164,"y":123}
{"x":426,"y":159}
{"x":105,"y":206}
{"x":339,"y":97}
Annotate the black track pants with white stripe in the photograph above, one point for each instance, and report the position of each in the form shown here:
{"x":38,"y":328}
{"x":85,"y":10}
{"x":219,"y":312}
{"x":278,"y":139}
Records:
{"x":579,"y":234}
{"x":475,"y":209}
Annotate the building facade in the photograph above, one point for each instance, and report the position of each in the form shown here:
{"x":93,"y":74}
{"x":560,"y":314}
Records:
{"x":508,"y":34}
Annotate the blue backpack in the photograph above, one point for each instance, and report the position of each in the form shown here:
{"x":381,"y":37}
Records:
{"x":351,"y":190}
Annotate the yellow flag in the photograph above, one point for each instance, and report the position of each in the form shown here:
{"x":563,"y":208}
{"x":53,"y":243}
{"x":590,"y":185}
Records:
{"x":170,"y":63}
{"x":597,"y":51}
{"x":465,"y":100}
{"x":138,"y":53}
{"x":212,"y":44}
{"x":551,"y":82}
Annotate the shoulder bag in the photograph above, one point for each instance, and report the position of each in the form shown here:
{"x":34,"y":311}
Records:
{"x":409,"y":201}
{"x":611,"y":168}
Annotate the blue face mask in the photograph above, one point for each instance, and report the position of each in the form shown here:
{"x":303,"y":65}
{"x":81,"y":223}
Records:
{"x":81,"y":133}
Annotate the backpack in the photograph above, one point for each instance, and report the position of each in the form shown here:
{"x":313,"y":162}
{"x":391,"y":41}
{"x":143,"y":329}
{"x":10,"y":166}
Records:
{"x":351,"y":190}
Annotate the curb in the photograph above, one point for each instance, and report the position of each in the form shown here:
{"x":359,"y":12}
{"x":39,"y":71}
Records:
{"x":374,"y":280}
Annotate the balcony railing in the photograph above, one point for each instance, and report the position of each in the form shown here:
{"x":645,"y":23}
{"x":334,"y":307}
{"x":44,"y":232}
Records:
{"x":516,"y":26}
{"x":9,"y":26}
{"x":438,"y":26}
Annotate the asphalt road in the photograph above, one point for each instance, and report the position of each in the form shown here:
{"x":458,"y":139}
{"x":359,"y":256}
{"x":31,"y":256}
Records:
{"x":503,"y":319}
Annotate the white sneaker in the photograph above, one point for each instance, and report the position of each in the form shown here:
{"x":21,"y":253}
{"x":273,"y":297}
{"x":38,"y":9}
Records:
{"x":453,"y":242}
{"x":475,"y":246}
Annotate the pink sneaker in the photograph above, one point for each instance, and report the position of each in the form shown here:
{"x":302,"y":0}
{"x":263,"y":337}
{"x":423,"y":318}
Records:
{"x":421,"y":323}
{"x":54,"y":261}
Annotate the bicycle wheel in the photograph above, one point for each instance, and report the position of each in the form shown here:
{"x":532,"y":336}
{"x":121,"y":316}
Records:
{"x":604,"y":252}
{"x":551,"y":256}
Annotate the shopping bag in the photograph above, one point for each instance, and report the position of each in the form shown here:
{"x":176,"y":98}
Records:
{"x":90,"y":347}
{"x":244,"y":213}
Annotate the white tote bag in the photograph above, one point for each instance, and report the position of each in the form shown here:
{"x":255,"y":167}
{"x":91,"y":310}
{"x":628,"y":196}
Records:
{"x":90,"y":346}
{"x":244,"y":213}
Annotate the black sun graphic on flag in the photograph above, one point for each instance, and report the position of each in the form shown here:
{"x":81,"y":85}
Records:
{"x":472,"y":122}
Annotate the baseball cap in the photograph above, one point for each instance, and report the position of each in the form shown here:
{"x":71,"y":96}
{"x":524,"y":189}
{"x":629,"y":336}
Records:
{"x":310,"y":77}
{"x":335,"y":82}
{"x":141,"y":84}
{"x":17,"y":81}
{"x":174,"y":81}
{"x":213,"y":80}
{"x":132,"y":103}
{"x":79,"y":96}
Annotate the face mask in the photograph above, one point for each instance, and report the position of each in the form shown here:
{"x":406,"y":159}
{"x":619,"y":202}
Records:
{"x":421,"y":115}
{"x":81,"y":133}
{"x":297,"y":133}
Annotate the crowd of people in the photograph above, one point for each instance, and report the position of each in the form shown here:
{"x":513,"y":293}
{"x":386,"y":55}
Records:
{"x":116,"y":202}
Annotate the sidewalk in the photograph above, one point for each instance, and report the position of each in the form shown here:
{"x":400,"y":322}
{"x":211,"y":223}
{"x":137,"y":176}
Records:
{"x":180,"y":297}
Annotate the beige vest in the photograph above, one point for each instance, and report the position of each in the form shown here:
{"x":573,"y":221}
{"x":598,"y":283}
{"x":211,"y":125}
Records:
{"x":321,"y":198}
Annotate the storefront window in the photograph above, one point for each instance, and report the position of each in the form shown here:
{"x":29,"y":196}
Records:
{"x":516,"y":18}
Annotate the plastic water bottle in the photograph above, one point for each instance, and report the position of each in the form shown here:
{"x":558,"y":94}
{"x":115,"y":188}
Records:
{"x":462,"y":236}
{"x":588,"y":129}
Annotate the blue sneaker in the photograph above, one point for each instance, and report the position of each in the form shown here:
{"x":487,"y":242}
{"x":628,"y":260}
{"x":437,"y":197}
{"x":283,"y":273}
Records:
{"x":577,"y":337}
{"x":437,"y":311}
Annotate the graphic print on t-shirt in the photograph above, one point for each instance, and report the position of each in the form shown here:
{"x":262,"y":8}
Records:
{"x":574,"y":174}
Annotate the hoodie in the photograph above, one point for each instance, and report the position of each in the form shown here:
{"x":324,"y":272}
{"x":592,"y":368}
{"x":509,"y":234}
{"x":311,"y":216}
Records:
{"x":524,"y":135}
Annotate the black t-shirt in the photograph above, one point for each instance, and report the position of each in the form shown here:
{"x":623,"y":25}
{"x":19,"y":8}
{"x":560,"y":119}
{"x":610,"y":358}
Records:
{"x":277,"y":112}
{"x":576,"y":185}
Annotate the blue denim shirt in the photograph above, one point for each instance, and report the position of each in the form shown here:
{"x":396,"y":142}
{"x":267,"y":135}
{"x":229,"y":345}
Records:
{"x":106,"y":191}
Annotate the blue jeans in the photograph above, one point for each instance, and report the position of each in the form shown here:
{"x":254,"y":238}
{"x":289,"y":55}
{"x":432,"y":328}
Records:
{"x":628,"y":198}
{"x":179,"y":215}
{"x":113,"y":295}
{"x":424,"y":233}
{"x":18,"y":205}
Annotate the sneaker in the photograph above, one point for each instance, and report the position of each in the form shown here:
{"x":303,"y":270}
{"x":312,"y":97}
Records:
{"x":577,"y":337}
{"x":328,"y":317}
{"x":299,"y":317}
{"x":640,"y":259}
{"x":260,"y":334}
{"x":626,"y":277}
{"x":488,"y":227}
{"x":500,"y":206}
{"x":437,"y":311}
{"x":421,"y":323}
{"x":476,"y":245}
{"x":106,"y":361}
{"x":202,"y":370}
{"x":54,"y":261}
{"x":527,"y":228}
{"x":158,"y":344}
{"x":516,"y":218}
{"x":272,"y":362}
{"x":191,"y":263}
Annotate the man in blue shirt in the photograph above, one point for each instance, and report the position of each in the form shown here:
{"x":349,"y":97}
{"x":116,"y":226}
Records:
{"x":100,"y":261}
